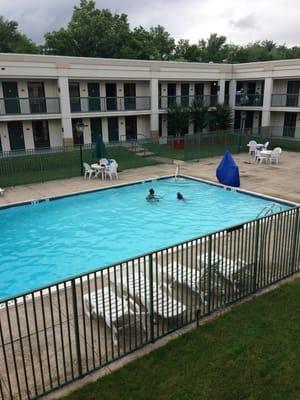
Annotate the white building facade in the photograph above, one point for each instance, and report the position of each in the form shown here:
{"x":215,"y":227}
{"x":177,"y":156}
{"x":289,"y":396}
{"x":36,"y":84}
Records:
{"x":51,"y":101}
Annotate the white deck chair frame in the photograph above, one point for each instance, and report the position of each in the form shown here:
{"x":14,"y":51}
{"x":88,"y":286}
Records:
{"x":113,"y":308}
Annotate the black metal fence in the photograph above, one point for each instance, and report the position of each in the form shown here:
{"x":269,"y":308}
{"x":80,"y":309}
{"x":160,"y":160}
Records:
{"x":57,"y":334}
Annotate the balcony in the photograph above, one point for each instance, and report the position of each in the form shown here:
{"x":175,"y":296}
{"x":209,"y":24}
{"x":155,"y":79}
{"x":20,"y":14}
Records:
{"x":107,"y":104}
{"x":185,"y":101}
{"x":285,"y":100}
{"x":30,"y":105}
{"x":249,"y":100}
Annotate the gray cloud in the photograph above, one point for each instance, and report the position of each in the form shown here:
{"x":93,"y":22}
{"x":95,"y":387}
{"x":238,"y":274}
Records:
{"x":247,"y":22}
{"x":240,"y":20}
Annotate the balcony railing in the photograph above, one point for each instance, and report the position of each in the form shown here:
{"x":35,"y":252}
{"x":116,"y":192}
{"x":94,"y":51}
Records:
{"x":285,"y":100}
{"x":168,"y":101}
{"x":249,"y":100}
{"x":106,"y":104}
{"x":29,"y":105}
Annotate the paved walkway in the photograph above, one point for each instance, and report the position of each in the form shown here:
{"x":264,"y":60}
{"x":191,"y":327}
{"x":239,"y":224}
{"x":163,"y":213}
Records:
{"x":275,"y":180}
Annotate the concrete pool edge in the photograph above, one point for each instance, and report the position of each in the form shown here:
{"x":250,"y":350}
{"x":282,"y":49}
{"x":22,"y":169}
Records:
{"x":141,"y":181}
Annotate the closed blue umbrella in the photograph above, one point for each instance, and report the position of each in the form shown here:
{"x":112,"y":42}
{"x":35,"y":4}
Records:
{"x":100,"y":149}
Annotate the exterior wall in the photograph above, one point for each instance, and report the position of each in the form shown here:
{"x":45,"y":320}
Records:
{"x":4,"y":136}
{"x":28,"y":135}
{"x":55,"y":133}
{"x":143,"y":126}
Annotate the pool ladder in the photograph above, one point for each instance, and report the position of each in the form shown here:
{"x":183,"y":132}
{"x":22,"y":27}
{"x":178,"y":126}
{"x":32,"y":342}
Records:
{"x":268,"y":210}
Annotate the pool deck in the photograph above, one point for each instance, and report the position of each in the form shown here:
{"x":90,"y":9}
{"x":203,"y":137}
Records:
{"x":281,"y":180}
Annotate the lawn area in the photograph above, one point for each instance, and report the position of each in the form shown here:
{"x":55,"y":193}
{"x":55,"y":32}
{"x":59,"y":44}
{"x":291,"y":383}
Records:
{"x":252,"y":352}
{"x":48,"y":166}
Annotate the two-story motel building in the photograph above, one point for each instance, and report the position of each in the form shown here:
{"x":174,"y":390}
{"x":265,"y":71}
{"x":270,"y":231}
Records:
{"x":44,"y":99}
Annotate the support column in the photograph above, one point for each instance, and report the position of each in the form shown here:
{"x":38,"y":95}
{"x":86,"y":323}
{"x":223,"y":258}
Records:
{"x":232,"y":92}
{"x":266,"y":113}
{"x":65,"y":106}
{"x":154,"y":117}
{"x":221,"y":91}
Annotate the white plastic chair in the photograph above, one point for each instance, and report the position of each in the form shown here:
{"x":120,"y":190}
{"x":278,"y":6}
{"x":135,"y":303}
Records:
{"x":111,"y":171}
{"x":266,"y":145}
{"x":103,"y":161}
{"x":252,"y":146}
{"x":275,"y":155}
{"x":88,"y":170}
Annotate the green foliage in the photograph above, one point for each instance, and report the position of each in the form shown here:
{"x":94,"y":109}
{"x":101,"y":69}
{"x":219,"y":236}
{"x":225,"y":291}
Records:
{"x":94,"y":32}
{"x":220,"y":117}
{"x":12,"y":41}
{"x":199,"y":114}
{"x":178,"y":119}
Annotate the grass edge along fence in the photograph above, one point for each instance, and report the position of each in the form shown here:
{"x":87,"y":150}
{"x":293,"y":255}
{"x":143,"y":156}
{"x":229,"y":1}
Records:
{"x":54,"y":335}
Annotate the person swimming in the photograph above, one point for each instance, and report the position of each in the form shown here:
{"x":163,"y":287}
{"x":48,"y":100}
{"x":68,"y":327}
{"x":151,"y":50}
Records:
{"x":151,"y":196}
{"x":180,"y":196}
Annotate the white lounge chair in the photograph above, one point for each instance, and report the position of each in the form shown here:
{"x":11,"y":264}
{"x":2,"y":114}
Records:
{"x":114,"y":309}
{"x":229,"y":269}
{"x":88,"y":170}
{"x":164,"y":306}
{"x":2,"y":192}
{"x":275,"y":155}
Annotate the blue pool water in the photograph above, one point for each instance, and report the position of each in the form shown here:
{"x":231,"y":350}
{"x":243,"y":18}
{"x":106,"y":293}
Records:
{"x":50,"y":241}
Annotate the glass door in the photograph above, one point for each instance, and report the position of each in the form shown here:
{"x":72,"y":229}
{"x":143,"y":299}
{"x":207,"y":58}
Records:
{"x":36,"y":94}
{"x":75,"y":96}
{"x":185,"y":91}
{"x":111,"y":96}
{"x":129,"y":96}
{"x":131,"y":128}
{"x":96,"y":128}
{"x":41,"y":134}
{"x":94,"y":96}
{"x":113,"y":129}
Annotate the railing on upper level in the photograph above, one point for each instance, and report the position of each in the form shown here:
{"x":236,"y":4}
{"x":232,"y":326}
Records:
{"x":106,"y":104}
{"x":168,"y":101}
{"x":29,"y":105}
{"x":285,"y":100}
{"x":249,"y":100}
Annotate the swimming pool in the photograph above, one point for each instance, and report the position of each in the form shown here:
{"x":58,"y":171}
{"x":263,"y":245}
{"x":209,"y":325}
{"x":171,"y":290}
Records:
{"x":48,"y":241}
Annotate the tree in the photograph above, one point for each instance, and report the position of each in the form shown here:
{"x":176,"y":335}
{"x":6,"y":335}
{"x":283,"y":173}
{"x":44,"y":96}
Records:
{"x":214,"y":48}
{"x":199,"y":114}
{"x":220,"y":117}
{"x":184,"y":51}
{"x":178,"y":119}
{"x":12,"y":41}
{"x":163,"y":43}
{"x":91,"y":33}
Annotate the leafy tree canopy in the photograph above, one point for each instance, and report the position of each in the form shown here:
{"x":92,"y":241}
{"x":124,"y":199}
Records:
{"x":93,"y":32}
{"x":12,"y":41}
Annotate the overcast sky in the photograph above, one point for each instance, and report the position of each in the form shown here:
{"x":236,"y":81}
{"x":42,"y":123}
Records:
{"x":242,"y":21}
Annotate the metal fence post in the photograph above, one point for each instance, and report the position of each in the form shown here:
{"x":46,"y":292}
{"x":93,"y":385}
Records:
{"x":256,"y":257}
{"x":295,"y":241}
{"x":151,"y":316}
{"x":209,"y":275}
{"x":81,"y":159}
{"x":76,"y":327}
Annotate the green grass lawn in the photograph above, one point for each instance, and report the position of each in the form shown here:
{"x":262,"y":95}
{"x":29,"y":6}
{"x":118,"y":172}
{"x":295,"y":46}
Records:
{"x":253,"y":353}
{"x":49,"y":166}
